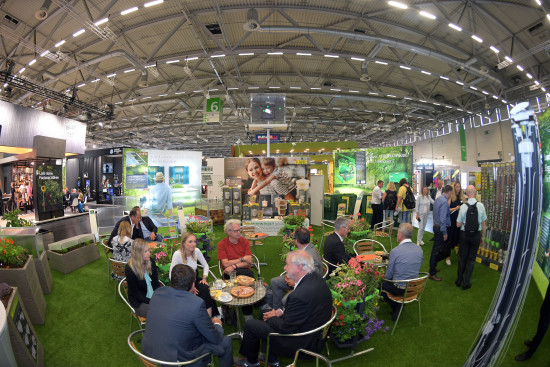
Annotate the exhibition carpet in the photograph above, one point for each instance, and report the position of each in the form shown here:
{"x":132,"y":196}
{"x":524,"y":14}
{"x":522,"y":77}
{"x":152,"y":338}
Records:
{"x":86,"y":325}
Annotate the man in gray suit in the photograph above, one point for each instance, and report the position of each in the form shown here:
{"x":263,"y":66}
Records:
{"x":178,"y":326}
{"x":282,"y":283}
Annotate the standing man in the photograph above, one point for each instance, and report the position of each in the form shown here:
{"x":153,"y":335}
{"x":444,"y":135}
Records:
{"x":178,"y":326}
{"x":405,"y":261}
{"x":404,"y":213}
{"x":334,"y":250}
{"x":160,"y":195}
{"x":376,"y":204}
{"x":437,"y":193}
{"x":472,"y":223}
{"x":308,"y":306}
{"x":442,"y":220}
{"x":282,"y":283}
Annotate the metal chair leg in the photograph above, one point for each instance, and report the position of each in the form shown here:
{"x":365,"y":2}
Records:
{"x":398,"y":316}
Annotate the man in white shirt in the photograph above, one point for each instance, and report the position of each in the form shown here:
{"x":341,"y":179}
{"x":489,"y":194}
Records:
{"x":376,"y":204}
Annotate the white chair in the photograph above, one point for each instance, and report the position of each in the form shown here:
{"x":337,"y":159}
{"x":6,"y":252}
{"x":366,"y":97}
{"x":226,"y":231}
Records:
{"x":123,"y":287}
{"x":255,"y":263}
{"x":74,"y":204}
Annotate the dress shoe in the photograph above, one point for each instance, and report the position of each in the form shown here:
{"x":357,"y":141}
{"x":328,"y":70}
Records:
{"x":466,"y":286}
{"x":433,"y":277}
{"x":421,"y":243}
{"x":431,"y":239}
{"x":458,"y":284}
{"x":523,"y":357}
{"x":528,"y":342}
{"x":242,"y":362}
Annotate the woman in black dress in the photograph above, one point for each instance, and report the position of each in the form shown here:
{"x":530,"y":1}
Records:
{"x":456,"y":200}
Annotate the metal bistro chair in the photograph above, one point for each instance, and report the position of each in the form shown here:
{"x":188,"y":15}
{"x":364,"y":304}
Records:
{"x":328,"y":229}
{"x":108,"y":255}
{"x":118,"y":270}
{"x":255,"y":263}
{"x":323,"y":329}
{"x":365,"y":245}
{"x":315,"y":355}
{"x":325,"y":270}
{"x":413,"y":293}
{"x":329,"y":264}
{"x":251,"y":230}
{"x":152,"y":362}
{"x":382,"y":226}
{"x":123,"y":287}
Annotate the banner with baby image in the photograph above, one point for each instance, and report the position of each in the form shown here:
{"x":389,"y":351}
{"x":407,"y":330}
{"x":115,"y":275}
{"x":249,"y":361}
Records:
{"x":268,"y":187}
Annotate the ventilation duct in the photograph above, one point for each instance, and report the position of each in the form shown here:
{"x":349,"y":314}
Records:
{"x":252,"y":24}
{"x":143,"y":81}
{"x":42,"y":13}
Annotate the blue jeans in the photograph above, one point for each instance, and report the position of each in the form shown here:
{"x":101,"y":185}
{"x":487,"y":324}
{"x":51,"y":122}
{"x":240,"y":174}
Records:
{"x":404,"y":217}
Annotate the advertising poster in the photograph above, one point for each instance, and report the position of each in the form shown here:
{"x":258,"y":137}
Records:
{"x":49,"y":188}
{"x":544,"y":245}
{"x":162,"y":179}
{"x":269,"y":181}
{"x":362,"y":168}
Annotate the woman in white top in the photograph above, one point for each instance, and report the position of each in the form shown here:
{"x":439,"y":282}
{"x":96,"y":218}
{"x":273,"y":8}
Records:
{"x":423,"y":210}
{"x":190,"y":255}
{"x":122,"y":243}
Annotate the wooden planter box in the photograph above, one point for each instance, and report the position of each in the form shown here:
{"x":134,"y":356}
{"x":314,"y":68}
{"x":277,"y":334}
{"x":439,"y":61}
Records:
{"x":26,"y":279}
{"x":27,"y":348}
{"x":44,"y":273}
{"x":217,"y":215}
{"x":72,"y":260}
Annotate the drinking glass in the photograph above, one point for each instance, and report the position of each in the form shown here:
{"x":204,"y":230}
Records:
{"x":233,"y":277}
{"x":259,"y":283}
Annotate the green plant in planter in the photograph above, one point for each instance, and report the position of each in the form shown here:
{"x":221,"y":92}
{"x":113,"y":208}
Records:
{"x":11,"y":255}
{"x":73,"y":247}
{"x":13,"y":220}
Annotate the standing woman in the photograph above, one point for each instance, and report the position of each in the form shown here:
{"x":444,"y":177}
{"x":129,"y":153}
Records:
{"x":389,"y":200}
{"x":190,"y":255}
{"x":423,"y":210}
{"x":142,"y":277}
{"x":456,"y":200}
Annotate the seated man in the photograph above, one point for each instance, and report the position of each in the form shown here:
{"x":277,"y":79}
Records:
{"x":142,"y":227}
{"x":308,"y":307}
{"x":283,"y":283}
{"x":178,"y":326}
{"x":334,"y":251}
{"x":404,"y":263}
{"x":235,"y":255}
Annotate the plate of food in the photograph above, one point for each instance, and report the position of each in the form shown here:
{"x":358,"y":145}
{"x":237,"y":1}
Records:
{"x":244,"y":280}
{"x":224,"y":297}
{"x":379,"y":253}
{"x":242,"y":291}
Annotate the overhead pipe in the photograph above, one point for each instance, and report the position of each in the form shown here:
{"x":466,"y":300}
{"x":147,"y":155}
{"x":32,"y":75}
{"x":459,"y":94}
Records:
{"x":385,"y":41}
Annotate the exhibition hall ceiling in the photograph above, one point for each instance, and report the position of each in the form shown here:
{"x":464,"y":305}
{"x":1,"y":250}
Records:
{"x":368,"y":70}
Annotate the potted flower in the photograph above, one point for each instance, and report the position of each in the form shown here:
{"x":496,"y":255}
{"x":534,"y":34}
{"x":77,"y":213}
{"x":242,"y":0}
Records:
{"x":18,"y":269}
{"x":13,"y":220}
{"x":162,"y":253}
{"x":354,"y":287}
{"x":358,"y":228}
{"x":291,"y":222}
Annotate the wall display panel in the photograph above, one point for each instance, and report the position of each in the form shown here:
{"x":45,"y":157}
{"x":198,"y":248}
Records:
{"x":544,"y":241}
{"x":363,"y":167}
{"x":48,"y":191}
{"x":162,"y":179}
{"x":267,"y":182}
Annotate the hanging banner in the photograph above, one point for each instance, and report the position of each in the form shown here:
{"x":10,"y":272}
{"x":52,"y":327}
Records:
{"x":463,"y":153}
{"x":213,"y":109}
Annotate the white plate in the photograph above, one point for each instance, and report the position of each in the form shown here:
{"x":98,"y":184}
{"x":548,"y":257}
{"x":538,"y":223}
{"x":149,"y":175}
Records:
{"x":225,"y":297}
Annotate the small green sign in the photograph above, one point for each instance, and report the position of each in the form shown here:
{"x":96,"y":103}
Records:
{"x":463,"y":143}
{"x":214,"y":105}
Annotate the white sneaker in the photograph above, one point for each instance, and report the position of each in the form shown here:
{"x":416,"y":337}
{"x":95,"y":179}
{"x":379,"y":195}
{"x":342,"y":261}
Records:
{"x":421,"y":243}
{"x":448,"y":262}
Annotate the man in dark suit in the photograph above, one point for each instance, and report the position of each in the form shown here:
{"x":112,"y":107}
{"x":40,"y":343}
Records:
{"x":142,"y":227}
{"x":334,"y":251}
{"x":308,"y":306}
{"x":178,"y":326}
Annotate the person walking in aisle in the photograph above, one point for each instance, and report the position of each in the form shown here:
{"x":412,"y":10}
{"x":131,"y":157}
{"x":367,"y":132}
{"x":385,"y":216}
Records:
{"x":404,"y":212}
{"x":376,"y":204}
{"x":441,"y":222}
{"x":471,"y":222}
{"x":456,"y":200}
{"x":390,"y":200}
{"x":423,"y":203}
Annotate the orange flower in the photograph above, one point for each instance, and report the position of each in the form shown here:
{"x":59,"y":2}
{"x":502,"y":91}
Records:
{"x":11,"y":241}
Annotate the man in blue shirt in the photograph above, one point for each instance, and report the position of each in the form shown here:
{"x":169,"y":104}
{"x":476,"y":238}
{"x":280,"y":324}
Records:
{"x":405,"y":262}
{"x":442,"y":220}
{"x":469,"y":239}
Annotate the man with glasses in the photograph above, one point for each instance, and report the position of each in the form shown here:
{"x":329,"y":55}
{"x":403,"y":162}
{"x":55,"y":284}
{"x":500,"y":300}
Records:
{"x":235,"y":255}
{"x":334,"y":251}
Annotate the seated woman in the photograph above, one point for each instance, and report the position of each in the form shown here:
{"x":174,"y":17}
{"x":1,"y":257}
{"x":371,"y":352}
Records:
{"x":142,"y":277}
{"x":122,"y":243}
{"x":190,"y":255}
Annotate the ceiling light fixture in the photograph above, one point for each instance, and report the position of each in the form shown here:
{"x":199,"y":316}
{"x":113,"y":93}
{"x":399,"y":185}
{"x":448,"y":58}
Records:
{"x":129,"y":70}
{"x":397,"y":4}
{"x":529,"y":76}
{"x":459,"y":82}
{"x":100,"y":22}
{"x":404,"y":67}
{"x":520,"y":68}
{"x":427,"y":15}
{"x":275,"y":53}
{"x":507,"y":58}
{"x":303,"y":54}
{"x":58,"y":44}
{"x":476,"y":38}
{"x":455,"y":27}
{"x":155,"y":2}
{"x":443,"y":77}
{"x":332,"y":56}
{"x":357,"y":59}
{"x":32,"y":62}
{"x":494,"y":49}
{"x":247,"y":54}
{"x":381,"y":62}
{"x":172,"y":61}
{"x":426,"y":72}
{"x":191,"y":58}
{"x":44,"y":53}
{"x":128,"y":11}
{"x":78,"y":33}
{"x":81,"y":85}
{"x":214,"y":56}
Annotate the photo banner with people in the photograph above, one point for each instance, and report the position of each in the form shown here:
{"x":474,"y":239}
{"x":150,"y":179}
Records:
{"x":270,"y":186}
{"x":162,"y":179}
{"x":48,"y":191}
{"x":544,"y":239}
{"x":362,"y":168}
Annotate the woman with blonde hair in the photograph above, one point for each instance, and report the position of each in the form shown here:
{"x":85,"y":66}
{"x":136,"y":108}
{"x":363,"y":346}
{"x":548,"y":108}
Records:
{"x":423,"y":202}
{"x":142,"y":277}
{"x":190,"y":255}
{"x":456,"y":200}
{"x":122,"y":243}
{"x":389,"y":200}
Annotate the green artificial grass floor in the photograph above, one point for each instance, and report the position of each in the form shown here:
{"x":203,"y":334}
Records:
{"x":87,"y":325}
